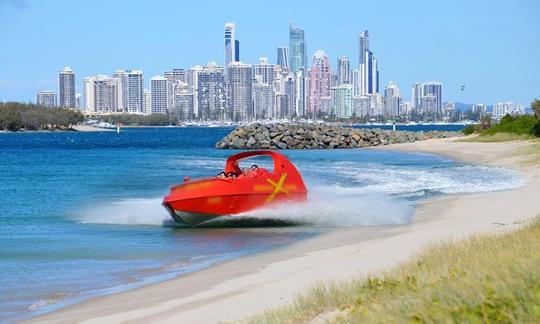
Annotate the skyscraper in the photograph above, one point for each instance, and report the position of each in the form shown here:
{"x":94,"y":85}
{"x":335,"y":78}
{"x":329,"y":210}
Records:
{"x":297,"y":48}
{"x":135,"y":85}
{"x":319,"y":83}
{"x":211,"y":92}
{"x":66,"y":88}
{"x":89,"y":95}
{"x":230,"y":44}
{"x":46,"y":98}
{"x":239,"y":95}
{"x":363,"y":47}
{"x":392,"y":100}
{"x":158,"y":95}
{"x":416,"y":98}
{"x":283,"y":58}
{"x":344,"y":71}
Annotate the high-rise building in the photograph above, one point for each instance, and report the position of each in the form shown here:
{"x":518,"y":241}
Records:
{"x":211,"y":92}
{"x":297,"y":48}
{"x":479,"y":110}
{"x":355,"y":80}
{"x":193,"y":82}
{"x":363,"y":47}
{"x":66,"y":88}
{"x":344,"y":71}
{"x":121,"y":76}
{"x":392,"y":100}
{"x":239,"y":91}
{"x":300,"y":93}
{"x":173,"y":77}
{"x":432,"y":99}
{"x":101,"y":94}
{"x":319,"y":83}
{"x":135,"y":85}
{"x":147,"y":102}
{"x":183,"y":102}
{"x":158,"y":95}
{"x":46,"y":98}
{"x":263,"y":101}
{"x":341,"y":101}
{"x":416,"y":98}
{"x":282,"y":107}
{"x":283,"y":58}
{"x":236,"y":50}
{"x":264,"y":72}
{"x":106,"y":94}
{"x":500,"y":109}
{"x":230,"y":44}
{"x":78,"y":101}
{"x":369,"y":77}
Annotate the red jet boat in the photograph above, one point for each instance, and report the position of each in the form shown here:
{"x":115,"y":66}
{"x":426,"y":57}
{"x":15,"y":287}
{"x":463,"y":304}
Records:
{"x":234,"y":191}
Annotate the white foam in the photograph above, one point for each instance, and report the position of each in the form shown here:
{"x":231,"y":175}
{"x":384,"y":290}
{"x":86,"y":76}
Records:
{"x":127,"y":211}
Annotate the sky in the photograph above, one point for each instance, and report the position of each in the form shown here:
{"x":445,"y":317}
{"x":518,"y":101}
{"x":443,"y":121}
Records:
{"x":490,"y":47}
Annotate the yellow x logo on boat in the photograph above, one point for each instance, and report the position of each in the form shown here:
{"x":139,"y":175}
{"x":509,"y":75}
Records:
{"x":278,"y":187}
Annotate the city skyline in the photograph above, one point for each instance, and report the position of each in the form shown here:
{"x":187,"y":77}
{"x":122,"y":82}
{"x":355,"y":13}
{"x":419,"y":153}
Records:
{"x":447,"y":53}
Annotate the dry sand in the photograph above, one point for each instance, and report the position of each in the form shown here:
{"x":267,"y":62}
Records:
{"x":243,"y":287}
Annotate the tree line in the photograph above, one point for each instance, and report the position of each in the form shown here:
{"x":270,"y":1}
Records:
{"x":15,"y":116}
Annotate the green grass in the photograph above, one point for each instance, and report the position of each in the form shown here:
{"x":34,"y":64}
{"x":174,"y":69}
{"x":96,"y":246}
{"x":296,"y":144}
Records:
{"x":498,"y":137}
{"x":483,"y":279}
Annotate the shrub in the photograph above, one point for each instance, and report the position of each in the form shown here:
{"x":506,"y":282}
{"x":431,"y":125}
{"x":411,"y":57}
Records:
{"x":469,"y":129}
{"x":519,"y":125}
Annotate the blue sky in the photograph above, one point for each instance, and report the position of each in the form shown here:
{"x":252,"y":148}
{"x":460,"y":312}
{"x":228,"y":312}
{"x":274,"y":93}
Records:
{"x":491,"y":47}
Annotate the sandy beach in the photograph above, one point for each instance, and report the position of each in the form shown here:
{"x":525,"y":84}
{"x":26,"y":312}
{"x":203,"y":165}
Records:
{"x":239,"y":288}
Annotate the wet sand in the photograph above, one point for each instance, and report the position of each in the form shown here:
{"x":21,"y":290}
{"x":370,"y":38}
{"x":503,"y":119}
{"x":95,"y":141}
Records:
{"x":235,"y":289}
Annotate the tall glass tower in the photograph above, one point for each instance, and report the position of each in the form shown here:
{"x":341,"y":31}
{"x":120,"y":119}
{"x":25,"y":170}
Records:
{"x":283,"y":57}
{"x":297,"y":48}
{"x":230,"y":44}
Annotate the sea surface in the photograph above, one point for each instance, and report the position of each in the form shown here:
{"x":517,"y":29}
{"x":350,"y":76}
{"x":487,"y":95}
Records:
{"x":80,"y":213}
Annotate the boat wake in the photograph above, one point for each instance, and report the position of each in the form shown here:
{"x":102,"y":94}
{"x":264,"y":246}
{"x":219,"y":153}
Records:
{"x":326,"y":206}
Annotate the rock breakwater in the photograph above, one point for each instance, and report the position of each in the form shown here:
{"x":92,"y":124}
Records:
{"x":318,"y":136}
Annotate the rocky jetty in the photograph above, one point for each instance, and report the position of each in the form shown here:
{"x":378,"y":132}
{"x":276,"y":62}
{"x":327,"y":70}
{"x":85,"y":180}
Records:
{"x":318,"y":136}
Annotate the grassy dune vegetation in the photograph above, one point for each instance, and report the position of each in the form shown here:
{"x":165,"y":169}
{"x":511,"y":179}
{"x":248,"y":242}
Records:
{"x":493,"y":278}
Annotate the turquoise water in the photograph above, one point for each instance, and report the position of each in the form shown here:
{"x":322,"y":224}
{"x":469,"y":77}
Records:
{"x":80,"y":213}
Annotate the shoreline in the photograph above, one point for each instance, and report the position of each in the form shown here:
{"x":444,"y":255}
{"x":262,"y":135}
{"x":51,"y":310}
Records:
{"x":238,"y":288}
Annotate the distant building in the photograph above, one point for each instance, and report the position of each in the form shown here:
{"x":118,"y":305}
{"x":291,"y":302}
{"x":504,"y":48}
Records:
{"x":239,"y":91}
{"x":283,"y":58}
{"x":341,"y":101}
{"x":135,"y":86}
{"x":500,"y":109}
{"x":264,"y":72}
{"x":101,"y":94}
{"x":392,"y":100}
{"x":361,"y":106}
{"x":319,"y":83}
{"x":121,"y":76}
{"x":363,"y":47}
{"x":300,"y":93}
{"x":282,"y":107}
{"x":173,"y":77}
{"x":211,"y":92}
{"x":158,"y":95}
{"x":230,"y":44}
{"x":78,"y":101}
{"x":479,"y":110}
{"x":46,"y":98}
{"x":183,"y":102}
{"x":416,"y":98}
{"x":368,"y":67}
{"x":355,"y":81}
{"x":66,"y":88}
{"x":344,"y":71}
{"x":147,"y":102}
{"x":263,"y":101}
{"x":427,"y":100}
{"x":297,"y":48}
{"x":406,"y":109}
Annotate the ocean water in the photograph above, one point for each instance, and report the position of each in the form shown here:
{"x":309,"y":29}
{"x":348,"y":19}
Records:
{"x":80,"y":213}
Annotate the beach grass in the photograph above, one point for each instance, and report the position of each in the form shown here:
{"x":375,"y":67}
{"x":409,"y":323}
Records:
{"x":498,"y":137}
{"x":490,"y":278}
